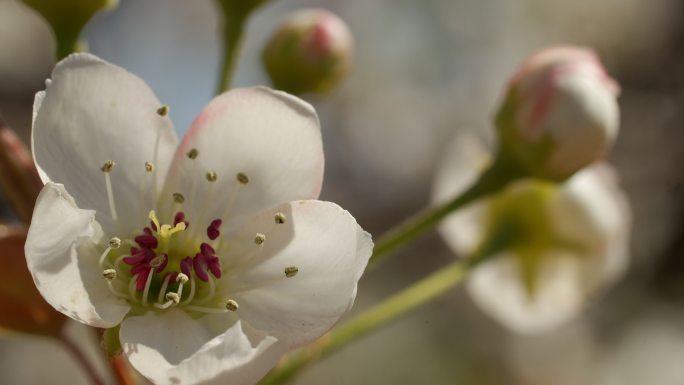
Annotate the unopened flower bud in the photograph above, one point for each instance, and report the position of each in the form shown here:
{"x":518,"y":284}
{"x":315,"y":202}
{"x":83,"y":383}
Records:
{"x":311,"y":51}
{"x":560,"y":113}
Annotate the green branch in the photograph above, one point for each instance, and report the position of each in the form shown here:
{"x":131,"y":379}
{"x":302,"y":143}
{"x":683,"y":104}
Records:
{"x":233,"y":28}
{"x":387,"y":311}
{"x":495,"y":178}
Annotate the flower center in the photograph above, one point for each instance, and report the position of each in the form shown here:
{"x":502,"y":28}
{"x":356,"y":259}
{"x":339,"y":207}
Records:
{"x":161,"y":263}
{"x":165,"y":265}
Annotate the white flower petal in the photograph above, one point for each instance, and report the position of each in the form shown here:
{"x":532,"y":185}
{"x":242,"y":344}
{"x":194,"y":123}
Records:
{"x":497,"y":288}
{"x":173,"y":348}
{"x":326,"y":246}
{"x":69,"y":279}
{"x":592,"y":210}
{"x":271,"y":137}
{"x":91,"y":112}
{"x":465,"y":157}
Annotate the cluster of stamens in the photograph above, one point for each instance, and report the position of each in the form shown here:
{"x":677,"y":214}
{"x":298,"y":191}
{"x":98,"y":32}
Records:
{"x":164,"y":259}
{"x":150,"y":259}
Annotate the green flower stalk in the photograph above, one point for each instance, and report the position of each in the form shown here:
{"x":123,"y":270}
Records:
{"x":67,"y":18}
{"x":235,"y":14}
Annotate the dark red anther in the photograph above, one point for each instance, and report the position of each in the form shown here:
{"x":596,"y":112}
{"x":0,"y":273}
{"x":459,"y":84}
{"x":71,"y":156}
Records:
{"x":142,"y":279}
{"x":147,"y":241}
{"x":207,"y":250}
{"x":215,"y":266}
{"x":180,"y":217}
{"x":159,"y":263}
{"x":137,"y":257}
{"x":148,"y":231}
{"x":186,"y":266}
{"x":201,"y":263}
{"x":134,"y":259}
{"x":212,"y":233}
{"x":213,"y":229}
{"x":172,"y":276}
{"x":139,"y":268}
{"x":153,"y":226}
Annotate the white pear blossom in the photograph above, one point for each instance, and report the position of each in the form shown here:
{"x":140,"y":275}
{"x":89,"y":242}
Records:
{"x":212,"y":255}
{"x":566,"y":242}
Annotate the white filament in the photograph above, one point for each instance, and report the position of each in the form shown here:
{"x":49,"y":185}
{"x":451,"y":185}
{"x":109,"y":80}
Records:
{"x":110,"y":196}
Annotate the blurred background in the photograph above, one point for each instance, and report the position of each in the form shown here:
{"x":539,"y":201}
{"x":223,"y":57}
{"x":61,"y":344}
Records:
{"x":423,"y":70}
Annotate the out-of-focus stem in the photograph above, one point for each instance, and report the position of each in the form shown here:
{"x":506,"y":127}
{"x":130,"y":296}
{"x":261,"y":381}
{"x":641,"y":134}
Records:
{"x":233,"y":26}
{"x":82,"y":360}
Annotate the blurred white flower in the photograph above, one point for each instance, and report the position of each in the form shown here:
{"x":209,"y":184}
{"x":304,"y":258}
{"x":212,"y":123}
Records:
{"x":560,"y":113}
{"x":565,"y":243}
{"x":212,"y":255}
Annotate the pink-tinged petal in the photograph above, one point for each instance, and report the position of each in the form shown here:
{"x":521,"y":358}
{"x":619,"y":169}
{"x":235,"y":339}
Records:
{"x":91,"y":112}
{"x":270,"y":138}
{"x":296,"y":287}
{"x":63,"y":260}
{"x":173,"y":348}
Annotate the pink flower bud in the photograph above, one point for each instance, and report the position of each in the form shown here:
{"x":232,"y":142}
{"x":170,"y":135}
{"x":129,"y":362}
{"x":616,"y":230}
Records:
{"x":560,"y":112}
{"x":311,"y":51}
